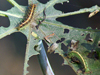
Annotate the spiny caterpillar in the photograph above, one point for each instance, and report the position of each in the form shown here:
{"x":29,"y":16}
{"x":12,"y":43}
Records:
{"x":81,"y":59}
{"x":28,"y":19}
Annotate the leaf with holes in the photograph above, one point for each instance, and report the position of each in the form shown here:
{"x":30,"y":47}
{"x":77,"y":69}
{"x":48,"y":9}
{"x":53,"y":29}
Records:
{"x":53,"y":31}
{"x":38,"y":21}
{"x":22,"y":19}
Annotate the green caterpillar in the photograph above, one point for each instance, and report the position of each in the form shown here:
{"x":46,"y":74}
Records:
{"x":82,"y":60}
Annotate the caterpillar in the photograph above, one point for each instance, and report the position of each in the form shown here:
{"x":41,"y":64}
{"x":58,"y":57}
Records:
{"x":81,"y":59}
{"x":28,"y":19}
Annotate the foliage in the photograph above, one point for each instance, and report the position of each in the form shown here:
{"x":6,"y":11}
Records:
{"x":45,"y":15}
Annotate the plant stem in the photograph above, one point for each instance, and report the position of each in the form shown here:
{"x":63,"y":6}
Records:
{"x":69,"y":27}
{"x":43,"y":60}
{"x":84,"y":10}
{"x":3,"y":13}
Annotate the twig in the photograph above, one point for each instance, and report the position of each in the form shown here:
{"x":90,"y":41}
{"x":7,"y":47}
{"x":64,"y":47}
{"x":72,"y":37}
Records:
{"x":43,"y":60}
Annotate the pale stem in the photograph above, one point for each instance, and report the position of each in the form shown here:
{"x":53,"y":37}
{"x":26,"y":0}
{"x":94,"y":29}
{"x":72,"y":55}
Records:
{"x":84,"y":10}
{"x":3,"y":13}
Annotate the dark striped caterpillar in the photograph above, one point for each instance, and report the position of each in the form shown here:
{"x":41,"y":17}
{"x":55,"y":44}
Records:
{"x":81,"y":59}
{"x":29,"y":16}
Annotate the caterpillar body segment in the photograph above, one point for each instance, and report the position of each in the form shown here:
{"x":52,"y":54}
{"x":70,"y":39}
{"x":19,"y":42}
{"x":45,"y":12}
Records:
{"x":81,"y":59}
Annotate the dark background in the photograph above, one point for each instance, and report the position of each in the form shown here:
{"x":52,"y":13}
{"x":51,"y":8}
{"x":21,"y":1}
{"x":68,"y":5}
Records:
{"x":12,"y":47}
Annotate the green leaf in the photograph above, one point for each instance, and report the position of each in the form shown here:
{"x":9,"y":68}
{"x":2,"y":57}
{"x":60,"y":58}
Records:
{"x":16,"y":15}
{"x":49,"y":26}
{"x":84,"y":47}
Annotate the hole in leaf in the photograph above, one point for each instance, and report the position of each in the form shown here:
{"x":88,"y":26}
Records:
{"x":80,"y":20}
{"x":22,"y":2}
{"x":34,"y":65}
{"x":4,"y":21}
{"x":43,"y":1}
{"x":64,"y":47}
{"x":88,"y":38}
{"x":59,"y":41}
{"x":66,"y":30}
{"x":20,"y":42}
{"x":12,"y":48}
{"x":62,"y":39}
{"x":61,"y":7}
{"x":35,"y":47}
{"x":4,"y":5}
{"x":56,"y":61}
